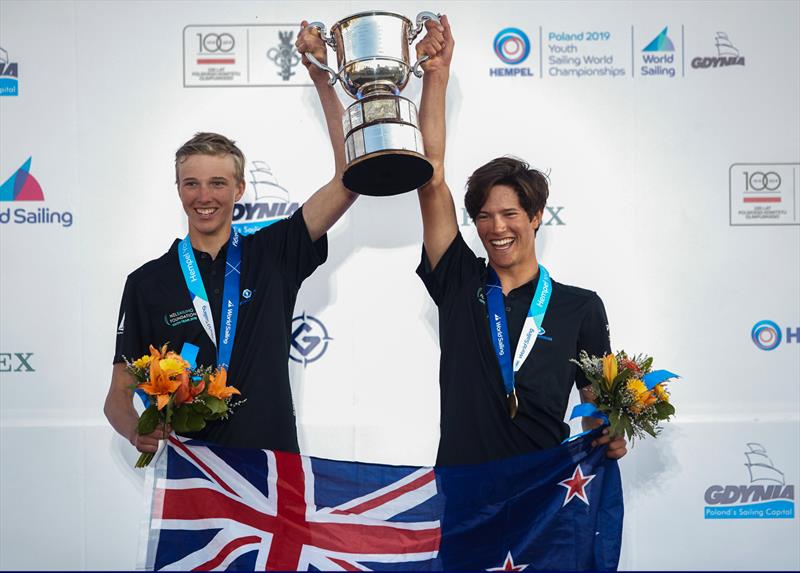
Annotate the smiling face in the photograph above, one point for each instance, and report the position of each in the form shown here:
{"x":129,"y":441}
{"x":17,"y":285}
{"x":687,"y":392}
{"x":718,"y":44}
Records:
{"x":506,"y":231}
{"x":208,"y":188}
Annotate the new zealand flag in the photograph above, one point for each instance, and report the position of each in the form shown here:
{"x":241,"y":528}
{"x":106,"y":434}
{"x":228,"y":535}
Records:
{"x":233,"y":509}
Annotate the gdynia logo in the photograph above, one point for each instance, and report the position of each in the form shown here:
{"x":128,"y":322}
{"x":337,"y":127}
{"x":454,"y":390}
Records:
{"x":9,"y":75}
{"x":766,"y":497}
{"x":264,"y":201}
{"x":658,"y":57}
{"x":22,"y":186}
{"x":766,"y":335}
{"x":512,"y":47}
{"x":727,"y":54}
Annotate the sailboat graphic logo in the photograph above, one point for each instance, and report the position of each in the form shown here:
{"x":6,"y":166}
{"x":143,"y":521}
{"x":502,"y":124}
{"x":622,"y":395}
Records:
{"x":767,"y":496}
{"x":727,"y":54}
{"x":265,"y":200}
{"x":724,"y":45}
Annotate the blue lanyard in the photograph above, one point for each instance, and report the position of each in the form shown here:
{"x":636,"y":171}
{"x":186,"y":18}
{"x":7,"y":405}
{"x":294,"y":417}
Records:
{"x":230,"y":295}
{"x":530,"y":329}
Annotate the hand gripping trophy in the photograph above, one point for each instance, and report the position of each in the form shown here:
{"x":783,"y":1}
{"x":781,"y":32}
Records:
{"x":383,"y":143}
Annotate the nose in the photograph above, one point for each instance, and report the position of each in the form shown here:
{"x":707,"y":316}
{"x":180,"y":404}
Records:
{"x":498,"y":224}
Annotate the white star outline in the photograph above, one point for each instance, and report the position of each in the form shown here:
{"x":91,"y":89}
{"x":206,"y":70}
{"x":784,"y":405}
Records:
{"x":508,"y":565}
{"x":580,"y":491}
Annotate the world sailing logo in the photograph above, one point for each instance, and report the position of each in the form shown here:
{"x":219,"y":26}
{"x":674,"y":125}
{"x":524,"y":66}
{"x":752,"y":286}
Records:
{"x":264,"y":201}
{"x":766,"y":497}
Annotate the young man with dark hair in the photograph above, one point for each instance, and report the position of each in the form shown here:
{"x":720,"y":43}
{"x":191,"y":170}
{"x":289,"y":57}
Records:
{"x":255,"y":279}
{"x":507,"y":330}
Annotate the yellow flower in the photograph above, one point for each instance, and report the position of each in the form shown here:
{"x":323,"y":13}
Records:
{"x":661,"y":393}
{"x":609,"y":368}
{"x":637,"y":387}
{"x":143,"y":362}
{"x":644,"y":397}
{"x":172,"y":365}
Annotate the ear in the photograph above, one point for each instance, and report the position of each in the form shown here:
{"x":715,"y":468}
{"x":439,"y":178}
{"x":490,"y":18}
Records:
{"x":240,"y":187}
{"x":536,"y":221}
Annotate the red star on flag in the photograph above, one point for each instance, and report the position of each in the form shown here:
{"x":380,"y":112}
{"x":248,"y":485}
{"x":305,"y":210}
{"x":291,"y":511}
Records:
{"x":508,"y":565}
{"x":575,"y":486}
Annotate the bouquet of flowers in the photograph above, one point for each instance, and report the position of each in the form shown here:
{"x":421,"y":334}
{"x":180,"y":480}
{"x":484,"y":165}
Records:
{"x":632,"y":395}
{"x":180,"y":396}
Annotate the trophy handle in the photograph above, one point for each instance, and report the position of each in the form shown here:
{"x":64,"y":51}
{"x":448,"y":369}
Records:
{"x":329,"y":41}
{"x":422,"y":17}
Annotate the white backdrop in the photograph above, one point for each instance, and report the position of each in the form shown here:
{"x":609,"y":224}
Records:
{"x":651,"y":165}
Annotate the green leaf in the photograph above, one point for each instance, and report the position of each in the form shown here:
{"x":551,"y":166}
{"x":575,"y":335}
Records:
{"x":180,"y":419}
{"x":216,"y":405}
{"x":628,"y":427}
{"x":148,"y":420}
{"x":664,"y":410}
{"x":195,"y":421}
{"x":201,"y":409}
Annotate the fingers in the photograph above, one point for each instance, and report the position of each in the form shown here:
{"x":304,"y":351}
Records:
{"x":617,"y":445}
{"x":149,"y":442}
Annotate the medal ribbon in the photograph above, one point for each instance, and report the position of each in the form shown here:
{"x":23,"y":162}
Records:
{"x":230,"y":295}
{"x":530,"y":329}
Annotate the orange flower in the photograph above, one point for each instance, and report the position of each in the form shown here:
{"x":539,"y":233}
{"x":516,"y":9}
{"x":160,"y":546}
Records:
{"x":187,"y":391}
{"x":661,"y":392}
{"x":217,"y":387}
{"x":162,"y":383}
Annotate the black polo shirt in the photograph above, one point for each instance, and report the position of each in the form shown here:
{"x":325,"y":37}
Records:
{"x":157,"y":308}
{"x":475,"y":423}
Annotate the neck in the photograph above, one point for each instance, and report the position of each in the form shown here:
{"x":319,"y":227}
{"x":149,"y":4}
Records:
{"x":210,"y":244}
{"x":516,"y":276}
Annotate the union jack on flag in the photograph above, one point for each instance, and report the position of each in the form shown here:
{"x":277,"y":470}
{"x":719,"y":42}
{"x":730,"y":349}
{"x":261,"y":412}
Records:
{"x":216,"y":508}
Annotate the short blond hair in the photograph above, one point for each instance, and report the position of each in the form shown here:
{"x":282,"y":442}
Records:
{"x":204,"y":143}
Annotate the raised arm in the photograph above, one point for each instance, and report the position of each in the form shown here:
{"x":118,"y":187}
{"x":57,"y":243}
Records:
{"x":331,"y":201}
{"x":439,"y":221}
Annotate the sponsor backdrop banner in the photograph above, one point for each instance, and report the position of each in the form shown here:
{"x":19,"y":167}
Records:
{"x":671,"y":134}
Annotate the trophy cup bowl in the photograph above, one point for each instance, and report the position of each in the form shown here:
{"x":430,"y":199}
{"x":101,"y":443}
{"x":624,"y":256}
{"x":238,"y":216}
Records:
{"x":383,"y":143}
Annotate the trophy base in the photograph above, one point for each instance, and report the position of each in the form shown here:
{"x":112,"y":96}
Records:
{"x":386,"y":173}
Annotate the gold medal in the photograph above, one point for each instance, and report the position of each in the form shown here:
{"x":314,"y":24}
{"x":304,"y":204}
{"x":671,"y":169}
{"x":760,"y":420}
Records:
{"x":512,"y":403}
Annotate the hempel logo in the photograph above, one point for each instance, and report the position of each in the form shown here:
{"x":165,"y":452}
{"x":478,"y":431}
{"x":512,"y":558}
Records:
{"x":766,"y":335}
{"x":766,"y":497}
{"x":512,"y":47}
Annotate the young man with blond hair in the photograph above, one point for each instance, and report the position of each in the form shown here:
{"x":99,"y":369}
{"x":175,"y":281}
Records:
{"x":254,"y":279}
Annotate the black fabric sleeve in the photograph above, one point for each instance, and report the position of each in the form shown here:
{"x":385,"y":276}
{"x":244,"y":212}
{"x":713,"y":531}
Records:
{"x":290,"y":245}
{"x":132,"y":330}
{"x":594,"y":336}
{"x":457,"y":265}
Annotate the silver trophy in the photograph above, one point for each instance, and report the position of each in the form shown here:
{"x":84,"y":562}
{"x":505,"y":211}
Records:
{"x":383,"y":143}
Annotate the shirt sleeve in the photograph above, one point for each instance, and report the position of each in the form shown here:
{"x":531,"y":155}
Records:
{"x":291,"y":247}
{"x":594,"y":336}
{"x":457,"y":265}
{"x":132,"y":333}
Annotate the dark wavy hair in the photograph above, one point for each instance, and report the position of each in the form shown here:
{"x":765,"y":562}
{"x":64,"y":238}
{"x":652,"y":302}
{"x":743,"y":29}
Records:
{"x":532,"y":186}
